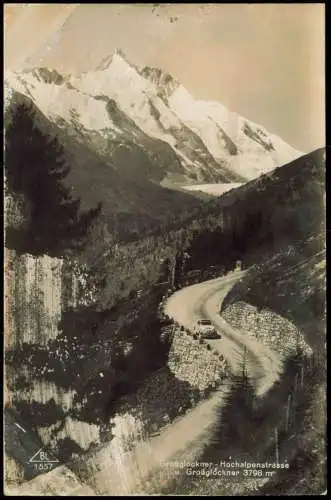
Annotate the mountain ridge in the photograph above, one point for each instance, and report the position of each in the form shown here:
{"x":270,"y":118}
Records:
{"x":130,"y":204}
{"x":208,"y":142}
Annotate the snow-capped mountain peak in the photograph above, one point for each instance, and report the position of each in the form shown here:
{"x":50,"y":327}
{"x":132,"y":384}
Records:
{"x":114,"y":76}
{"x":116,"y":58}
{"x":202,"y":140}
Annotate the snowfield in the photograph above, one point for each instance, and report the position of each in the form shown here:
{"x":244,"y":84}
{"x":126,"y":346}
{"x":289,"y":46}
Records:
{"x":213,"y":189}
{"x":210,"y":141}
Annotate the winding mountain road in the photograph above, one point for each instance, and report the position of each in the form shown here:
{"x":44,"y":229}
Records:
{"x":147,"y":467}
{"x":204,"y":300}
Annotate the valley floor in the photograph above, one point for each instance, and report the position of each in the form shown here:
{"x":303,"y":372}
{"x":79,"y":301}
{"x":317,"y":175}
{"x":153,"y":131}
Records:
{"x":212,"y":189}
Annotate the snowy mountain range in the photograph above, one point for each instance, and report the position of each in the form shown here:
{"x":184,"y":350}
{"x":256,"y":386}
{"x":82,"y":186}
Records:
{"x":144,"y":123}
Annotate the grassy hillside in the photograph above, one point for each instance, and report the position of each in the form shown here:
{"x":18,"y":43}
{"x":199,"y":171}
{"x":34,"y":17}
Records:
{"x":249,"y":223}
{"x":292,"y":283}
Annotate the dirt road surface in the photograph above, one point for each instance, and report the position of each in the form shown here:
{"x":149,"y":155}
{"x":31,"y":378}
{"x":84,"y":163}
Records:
{"x":149,"y":466}
{"x":204,"y":300}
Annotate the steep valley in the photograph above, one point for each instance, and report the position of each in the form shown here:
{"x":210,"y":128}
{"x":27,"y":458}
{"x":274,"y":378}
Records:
{"x":85,"y":345}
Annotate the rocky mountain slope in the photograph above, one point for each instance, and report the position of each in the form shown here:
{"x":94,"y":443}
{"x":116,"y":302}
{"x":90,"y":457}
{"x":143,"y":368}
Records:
{"x":145,"y":124}
{"x":130,"y":205}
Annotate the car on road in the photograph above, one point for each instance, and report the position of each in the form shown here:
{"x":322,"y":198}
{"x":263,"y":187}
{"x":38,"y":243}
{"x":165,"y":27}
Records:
{"x":205,"y":329}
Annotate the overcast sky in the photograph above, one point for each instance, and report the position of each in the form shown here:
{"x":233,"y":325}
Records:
{"x":264,"y":61}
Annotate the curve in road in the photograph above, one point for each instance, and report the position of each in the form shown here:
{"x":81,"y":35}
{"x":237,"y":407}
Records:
{"x":145,"y":469}
{"x":204,"y":300}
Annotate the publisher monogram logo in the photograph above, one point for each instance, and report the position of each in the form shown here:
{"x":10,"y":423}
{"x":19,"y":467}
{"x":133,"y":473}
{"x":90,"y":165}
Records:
{"x":42,"y":462}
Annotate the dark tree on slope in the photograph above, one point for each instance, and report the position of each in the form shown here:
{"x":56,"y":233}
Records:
{"x":35,"y":168}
